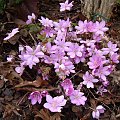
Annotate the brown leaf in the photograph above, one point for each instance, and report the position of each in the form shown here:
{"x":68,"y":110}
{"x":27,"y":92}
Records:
{"x":19,"y":22}
{"x":36,"y":83}
{"x":56,"y":116}
{"x":44,"y":114}
{"x":9,"y":109}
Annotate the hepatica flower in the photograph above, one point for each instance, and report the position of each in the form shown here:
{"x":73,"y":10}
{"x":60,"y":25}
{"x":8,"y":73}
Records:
{"x":78,"y":98}
{"x":96,"y":113}
{"x":10,"y":35}
{"x":112,"y":48}
{"x":31,"y":18}
{"x":35,"y":97}
{"x":100,"y":28}
{"x":115,"y":58}
{"x":62,"y":25}
{"x":95,"y":61}
{"x":55,"y":104}
{"x":46,"y":22}
{"x":102,"y":72}
{"x":31,"y":56}
{"x":66,"y":6}
{"x":89,"y":80}
{"x":75,"y":50}
{"x":67,"y":86}
{"x":82,"y":27}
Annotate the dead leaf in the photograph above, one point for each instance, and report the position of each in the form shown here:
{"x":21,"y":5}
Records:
{"x":36,"y":83}
{"x":56,"y":116}
{"x":20,"y":22}
{"x":44,"y":114}
{"x":9,"y":109}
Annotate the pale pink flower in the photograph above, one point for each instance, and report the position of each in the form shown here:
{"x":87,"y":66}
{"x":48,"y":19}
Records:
{"x":78,"y":98}
{"x":90,"y":26}
{"x":31,"y":56}
{"x":62,"y":25}
{"x":115,"y":58}
{"x":95,"y":61}
{"x":96,"y":113}
{"x":10,"y":35}
{"x":46,"y":22}
{"x":82,"y":27}
{"x":48,"y":31}
{"x":19,"y":69}
{"x":31,"y":18}
{"x":102,"y":72}
{"x":66,"y":6}
{"x":100,"y":28}
{"x":89,"y":80}
{"x":65,"y":67}
{"x":55,"y":104}
{"x":35,"y":97}
{"x":75,"y":50}
{"x":112,"y":48}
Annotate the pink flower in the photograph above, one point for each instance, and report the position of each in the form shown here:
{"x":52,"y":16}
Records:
{"x":46,"y":22}
{"x":89,"y":80}
{"x":67,"y":86}
{"x":48,"y":31}
{"x":31,"y":56}
{"x":35,"y":97}
{"x":100,"y":28}
{"x":62,"y":25}
{"x":78,"y":98}
{"x":31,"y":18}
{"x":96,"y":113}
{"x":14,"y":31}
{"x":102,"y":72}
{"x":82,"y":27}
{"x":65,"y":67}
{"x":66,"y":6}
{"x":90,"y":26}
{"x":95,"y":61}
{"x":115,"y":58}
{"x":74,"y":50}
{"x":20,"y":69}
{"x":112,"y":48}
{"x":55,"y":104}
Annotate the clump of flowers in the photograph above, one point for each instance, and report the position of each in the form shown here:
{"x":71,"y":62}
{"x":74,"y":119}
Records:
{"x":67,"y":47}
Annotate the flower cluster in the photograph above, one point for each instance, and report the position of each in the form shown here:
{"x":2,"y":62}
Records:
{"x":69,"y":46}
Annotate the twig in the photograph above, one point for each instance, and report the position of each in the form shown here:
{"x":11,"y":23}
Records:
{"x":33,"y":38}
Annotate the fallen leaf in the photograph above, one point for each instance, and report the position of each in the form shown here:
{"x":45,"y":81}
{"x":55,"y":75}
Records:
{"x":36,"y":83}
{"x":44,"y":114}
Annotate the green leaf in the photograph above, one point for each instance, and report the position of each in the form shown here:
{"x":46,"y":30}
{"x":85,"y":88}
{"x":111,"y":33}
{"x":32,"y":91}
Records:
{"x":34,"y":28}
